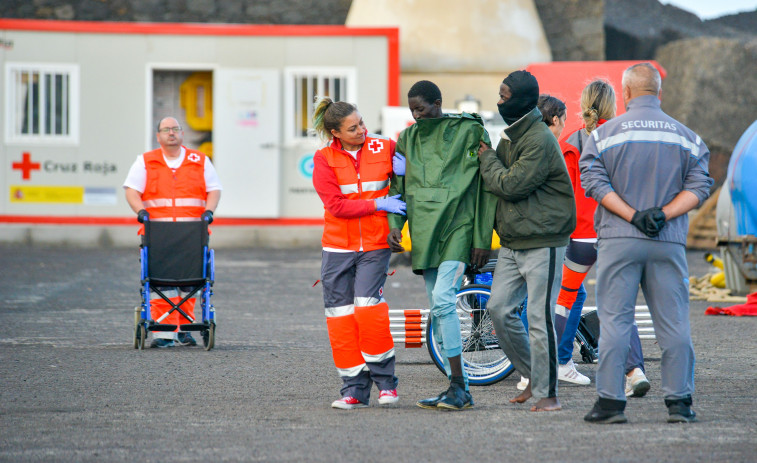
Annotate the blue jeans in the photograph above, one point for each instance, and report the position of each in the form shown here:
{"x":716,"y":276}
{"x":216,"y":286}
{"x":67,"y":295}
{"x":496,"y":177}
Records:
{"x":564,"y":328}
{"x":442,"y":286}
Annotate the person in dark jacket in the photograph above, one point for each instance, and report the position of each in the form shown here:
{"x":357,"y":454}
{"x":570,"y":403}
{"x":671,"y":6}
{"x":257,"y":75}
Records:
{"x":536,"y":213}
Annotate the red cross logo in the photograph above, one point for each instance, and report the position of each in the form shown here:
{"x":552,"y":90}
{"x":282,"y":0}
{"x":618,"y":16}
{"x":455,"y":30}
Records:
{"x":375,"y":146}
{"x":26,"y":166}
{"x":194,"y":157}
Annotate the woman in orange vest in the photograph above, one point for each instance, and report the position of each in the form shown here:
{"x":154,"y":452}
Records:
{"x":351,"y":175}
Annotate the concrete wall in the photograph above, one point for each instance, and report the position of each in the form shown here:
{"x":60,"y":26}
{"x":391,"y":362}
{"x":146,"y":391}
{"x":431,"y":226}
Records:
{"x":465,"y":47}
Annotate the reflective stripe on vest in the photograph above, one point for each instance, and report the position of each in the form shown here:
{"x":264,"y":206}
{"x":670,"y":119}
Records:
{"x":180,"y":202}
{"x":348,"y":189}
{"x":376,"y":186}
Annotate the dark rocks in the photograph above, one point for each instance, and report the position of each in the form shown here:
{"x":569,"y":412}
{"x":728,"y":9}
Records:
{"x":711,"y":87}
{"x":573,"y":28}
{"x":217,"y":11}
{"x":745,"y":22}
{"x":636,"y":29}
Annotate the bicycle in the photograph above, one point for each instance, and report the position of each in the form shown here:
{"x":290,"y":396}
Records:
{"x":483,"y":360}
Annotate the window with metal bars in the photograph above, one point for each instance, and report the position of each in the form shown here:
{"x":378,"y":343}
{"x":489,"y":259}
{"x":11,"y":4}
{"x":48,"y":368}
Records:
{"x":42,"y":102}
{"x":304,"y":86}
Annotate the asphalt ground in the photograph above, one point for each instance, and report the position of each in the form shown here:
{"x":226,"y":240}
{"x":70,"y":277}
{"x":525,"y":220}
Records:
{"x":73,"y":388}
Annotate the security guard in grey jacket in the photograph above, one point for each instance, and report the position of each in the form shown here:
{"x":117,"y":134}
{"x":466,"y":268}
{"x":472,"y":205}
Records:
{"x":536,"y":213}
{"x":646,"y":170}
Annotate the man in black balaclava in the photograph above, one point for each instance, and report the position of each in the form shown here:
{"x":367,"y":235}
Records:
{"x":519,"y":93}
{"x":536,"y":214}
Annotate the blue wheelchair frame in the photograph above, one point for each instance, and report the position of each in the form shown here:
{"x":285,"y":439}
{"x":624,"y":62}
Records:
{"x":144,"y":322}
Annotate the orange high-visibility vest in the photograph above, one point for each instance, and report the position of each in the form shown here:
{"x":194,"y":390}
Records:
{"x":175,"y":196}
{"x":374,"y":171}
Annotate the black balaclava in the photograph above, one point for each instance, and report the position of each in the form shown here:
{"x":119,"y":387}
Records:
{"x":525,"y":94}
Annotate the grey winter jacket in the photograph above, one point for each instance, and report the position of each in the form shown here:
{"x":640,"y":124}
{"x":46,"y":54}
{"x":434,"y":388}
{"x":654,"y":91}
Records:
{"x":527,"y":173}
{"x":647,"y":158}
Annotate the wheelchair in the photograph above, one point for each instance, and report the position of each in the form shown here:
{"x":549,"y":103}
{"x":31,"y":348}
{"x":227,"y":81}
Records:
{"x":176,"y":254}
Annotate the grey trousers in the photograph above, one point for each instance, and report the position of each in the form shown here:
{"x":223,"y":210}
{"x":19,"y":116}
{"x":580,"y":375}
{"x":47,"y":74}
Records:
{"x":660,"y":268}
{"x":536,"y":273}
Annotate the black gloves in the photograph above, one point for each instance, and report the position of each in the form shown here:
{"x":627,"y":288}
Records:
{"x":207,"y":215}
{"x":650,"y":221}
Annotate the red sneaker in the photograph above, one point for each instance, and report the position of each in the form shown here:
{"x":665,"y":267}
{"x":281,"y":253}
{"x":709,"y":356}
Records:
{"x":347,"y":403}
{"x":388,"y":397}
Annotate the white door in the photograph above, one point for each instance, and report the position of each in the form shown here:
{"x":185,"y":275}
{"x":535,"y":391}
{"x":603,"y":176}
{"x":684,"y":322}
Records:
{"x":246,"y":141}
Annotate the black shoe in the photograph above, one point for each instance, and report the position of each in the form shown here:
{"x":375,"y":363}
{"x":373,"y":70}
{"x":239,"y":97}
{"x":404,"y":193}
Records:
{"x":430,"y":402}
{"x":679,"y":410}
{"x":607,"y":411}
{"x":456,"y":398}
{"x":186,"y":339}
{"x":161,"y":343}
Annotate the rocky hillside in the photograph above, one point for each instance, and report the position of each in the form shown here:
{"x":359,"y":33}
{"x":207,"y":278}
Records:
{"x":217,"y":11}
{"x":712,"y":88}
{"x":636,"y":29}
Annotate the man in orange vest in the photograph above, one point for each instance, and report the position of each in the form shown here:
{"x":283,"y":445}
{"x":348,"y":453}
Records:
{"x":172,"y":183}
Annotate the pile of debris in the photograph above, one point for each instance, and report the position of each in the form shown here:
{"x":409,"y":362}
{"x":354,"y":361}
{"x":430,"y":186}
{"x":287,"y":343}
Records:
{"x":702,"y":289}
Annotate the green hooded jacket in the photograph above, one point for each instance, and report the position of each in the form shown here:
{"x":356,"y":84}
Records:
{"x":448,"y":211}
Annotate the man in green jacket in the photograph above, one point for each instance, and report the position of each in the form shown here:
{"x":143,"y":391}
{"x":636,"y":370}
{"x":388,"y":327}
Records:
{"x":536,"y":213}
{"x":450,"y":219}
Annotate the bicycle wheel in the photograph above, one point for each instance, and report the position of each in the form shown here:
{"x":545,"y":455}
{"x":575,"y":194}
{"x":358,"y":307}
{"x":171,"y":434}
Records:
{"x":483,"y":360}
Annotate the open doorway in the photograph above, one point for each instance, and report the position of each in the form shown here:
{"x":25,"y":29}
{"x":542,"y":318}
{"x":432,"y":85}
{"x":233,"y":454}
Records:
{"x":186,"y":95}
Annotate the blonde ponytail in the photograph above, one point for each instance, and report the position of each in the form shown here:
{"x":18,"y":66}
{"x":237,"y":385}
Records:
{"x":597,"y":102}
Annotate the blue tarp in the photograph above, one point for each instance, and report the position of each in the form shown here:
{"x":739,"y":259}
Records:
{"x":742,"y":181}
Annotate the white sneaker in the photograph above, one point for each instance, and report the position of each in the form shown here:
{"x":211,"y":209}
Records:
{"x":637,"y":384}
{"x":523,"y":384}
{"x":569,"y":373}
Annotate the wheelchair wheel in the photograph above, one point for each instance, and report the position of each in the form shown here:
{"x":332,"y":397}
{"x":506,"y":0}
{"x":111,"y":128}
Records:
{"x":136,"y":327}
{"x":483,"y":360}
{"x":142,"y":335}
{"x":209,"y":336}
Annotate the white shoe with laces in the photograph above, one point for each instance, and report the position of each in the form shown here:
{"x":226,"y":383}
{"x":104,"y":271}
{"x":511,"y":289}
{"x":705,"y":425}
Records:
{"x":637,"y":384}
{"x":569,"y":373}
